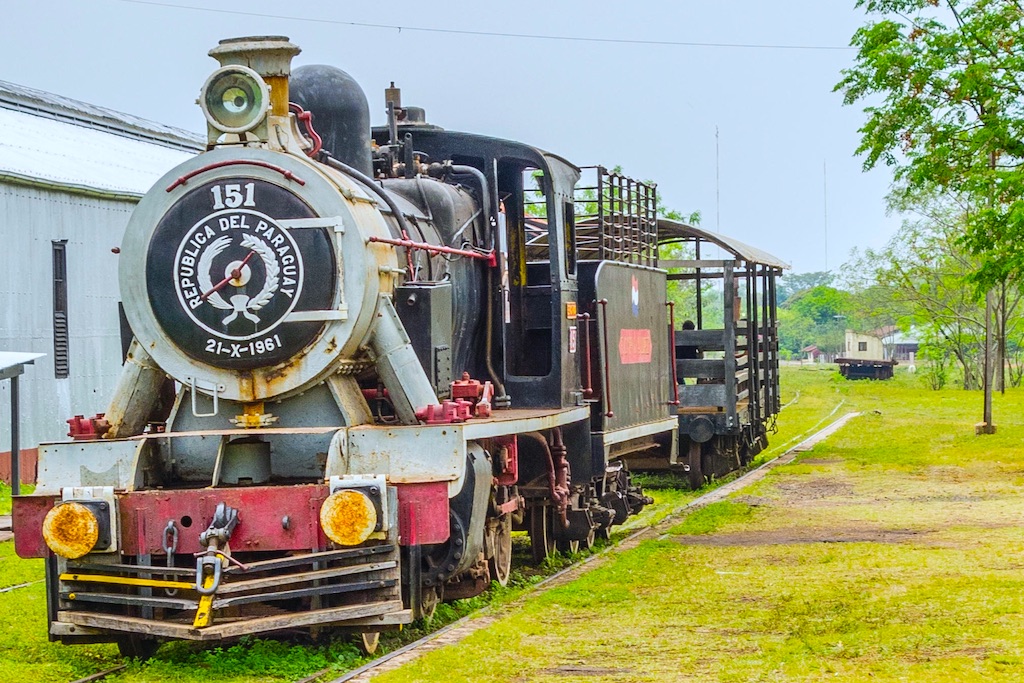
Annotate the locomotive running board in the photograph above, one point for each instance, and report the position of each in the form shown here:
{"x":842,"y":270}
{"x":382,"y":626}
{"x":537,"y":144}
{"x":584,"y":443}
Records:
{"x":384,"y":613}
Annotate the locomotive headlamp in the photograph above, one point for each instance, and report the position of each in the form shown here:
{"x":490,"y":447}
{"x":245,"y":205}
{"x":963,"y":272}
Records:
{"x":234,"y":99}
{"x":348,"y":517}
{"x":71,"y":530}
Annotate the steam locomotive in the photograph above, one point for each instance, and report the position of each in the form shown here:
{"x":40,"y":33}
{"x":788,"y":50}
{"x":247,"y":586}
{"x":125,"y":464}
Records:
{"x":362,"y":357}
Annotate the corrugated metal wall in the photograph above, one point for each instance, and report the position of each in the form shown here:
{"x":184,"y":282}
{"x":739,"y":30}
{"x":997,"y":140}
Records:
{"x":30,"y":219}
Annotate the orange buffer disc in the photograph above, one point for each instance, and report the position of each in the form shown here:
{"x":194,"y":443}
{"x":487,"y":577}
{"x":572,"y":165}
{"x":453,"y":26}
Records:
{"x":348,"y":517}
{"x":71,"y":530}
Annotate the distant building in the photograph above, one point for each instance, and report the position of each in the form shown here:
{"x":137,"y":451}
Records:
{"x":813,"y":354}
{"x":884,"y":343}
{"x":903,"y":346}
{"x":70,"y":176}
{"x":864,"y":346}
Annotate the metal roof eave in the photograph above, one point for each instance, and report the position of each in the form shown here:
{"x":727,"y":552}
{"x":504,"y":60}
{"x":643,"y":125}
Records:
{"x":670,"y":230}
{"x":70,"y":188}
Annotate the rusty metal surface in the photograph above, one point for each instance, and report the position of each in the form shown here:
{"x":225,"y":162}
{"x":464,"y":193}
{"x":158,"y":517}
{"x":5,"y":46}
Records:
{"x":348,"y":517}
{"x":27,"y":516}
{"x":423,"y":513}
{"x":71,"y":530}
{"x":262,"y":510}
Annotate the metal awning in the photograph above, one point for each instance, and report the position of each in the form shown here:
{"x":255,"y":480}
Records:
{"x":671,"y":231}
{"x":12,"y":363}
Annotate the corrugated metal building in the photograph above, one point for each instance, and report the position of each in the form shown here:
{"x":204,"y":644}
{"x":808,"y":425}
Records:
{"x":70,"y":176}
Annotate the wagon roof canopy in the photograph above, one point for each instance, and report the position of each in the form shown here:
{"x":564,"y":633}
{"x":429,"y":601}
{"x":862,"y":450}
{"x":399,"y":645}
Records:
{"x":674,"y":231}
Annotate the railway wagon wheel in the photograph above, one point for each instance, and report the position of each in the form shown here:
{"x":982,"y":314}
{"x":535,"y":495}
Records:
{"x":137,"y":647}
{"x":569,"y":546}
{"x":500,"y":563}
{"x":368,"y":641}
{"x":588,"y":542}
{"x":542,"y":538}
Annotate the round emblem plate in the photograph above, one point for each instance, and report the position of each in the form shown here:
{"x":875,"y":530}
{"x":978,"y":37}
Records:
{"x":226,"y":273}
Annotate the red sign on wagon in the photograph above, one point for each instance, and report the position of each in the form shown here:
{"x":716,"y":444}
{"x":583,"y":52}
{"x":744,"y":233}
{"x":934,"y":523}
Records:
{"x":635,"y":346}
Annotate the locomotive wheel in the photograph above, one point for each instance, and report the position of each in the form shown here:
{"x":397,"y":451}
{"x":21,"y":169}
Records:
{"x":696,"y":474}
{"x":431,"y":598}
{"x":542,"y":539}
{"x":588,"y":542}
{"x":569,"y":546}
{"x":501,"y":563}
{"x":369,"y":640}
{"x":137,"y":647}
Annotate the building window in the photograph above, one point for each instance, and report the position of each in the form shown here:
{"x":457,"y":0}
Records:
{"x":60,"y":309}
{"x":862,"y":346}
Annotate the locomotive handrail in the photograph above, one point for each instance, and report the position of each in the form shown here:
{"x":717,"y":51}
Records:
{"x":607,"y":360}
{"x":671,"y":345}
{"x":215,"y":389}
{"x":588,"y":390}
{"x":235,"y":162}
{"x":438,"y":249}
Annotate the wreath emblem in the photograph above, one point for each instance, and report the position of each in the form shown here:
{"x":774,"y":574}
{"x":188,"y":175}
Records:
{"x":240,"y":304}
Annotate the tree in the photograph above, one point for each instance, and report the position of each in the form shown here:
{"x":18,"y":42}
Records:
{"x":789,"y":284}
{"x":949,"y":75}
{"x":922,"y":279}
{"x":816,"y":316}
{"x":925,"y":272}
{"x":823,"y":304}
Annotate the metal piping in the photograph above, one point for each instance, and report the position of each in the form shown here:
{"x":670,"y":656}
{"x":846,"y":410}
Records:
{"x":485,"y":191}
{"x":501,"y":399}
{"x":557,"y":485}
{"x":588,"y":390}
{"x":371,"y":184}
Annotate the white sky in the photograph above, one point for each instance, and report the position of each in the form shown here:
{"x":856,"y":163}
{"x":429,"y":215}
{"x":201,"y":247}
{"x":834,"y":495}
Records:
{"x":651,"y":109}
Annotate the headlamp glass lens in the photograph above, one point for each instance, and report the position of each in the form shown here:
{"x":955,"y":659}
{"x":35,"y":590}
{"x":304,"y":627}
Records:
{"x":234,"y":101}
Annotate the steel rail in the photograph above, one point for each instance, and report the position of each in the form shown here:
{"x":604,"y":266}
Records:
{"x":620,"y":546}
{"x":8,"y":589}
{"x":101,"y":675}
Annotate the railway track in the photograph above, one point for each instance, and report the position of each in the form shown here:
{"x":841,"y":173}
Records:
{"x":101,"y":675}
{"x":471,"y":623}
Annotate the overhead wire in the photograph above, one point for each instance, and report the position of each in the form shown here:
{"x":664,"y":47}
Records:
{"x":494,"y":34}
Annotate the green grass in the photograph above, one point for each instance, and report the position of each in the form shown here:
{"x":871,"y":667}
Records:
{"x":890,"y":552}
{"x":5,"y":496}
{"x":713,"y":517}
